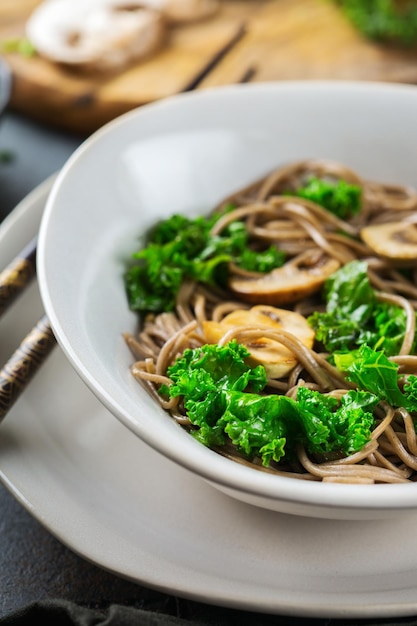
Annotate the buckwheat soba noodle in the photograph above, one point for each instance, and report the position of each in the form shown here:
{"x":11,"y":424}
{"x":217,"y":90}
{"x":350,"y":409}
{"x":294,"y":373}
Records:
{"x":326,"y":388}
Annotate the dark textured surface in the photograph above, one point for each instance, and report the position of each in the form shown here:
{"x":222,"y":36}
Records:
{"x":29,"y":153}
{"x":35,"y":567}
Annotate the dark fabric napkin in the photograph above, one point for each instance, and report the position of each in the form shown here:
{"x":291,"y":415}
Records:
{"x":66,"y":613}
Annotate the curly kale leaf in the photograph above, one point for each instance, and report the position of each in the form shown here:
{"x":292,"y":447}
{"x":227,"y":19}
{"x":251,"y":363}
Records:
{"x":354,"y":316}
{"x":340,"y":198}
{"x":260,"y":261}
{"x":252,"y":423}
{"x":225,"y":366}
{"x":182,"y":248}
{"x":410,"y":391}
{"x":348,"y":422}
{"x":372,"y":370}
{"x":221,"y":395}
{"x":201,"y":375}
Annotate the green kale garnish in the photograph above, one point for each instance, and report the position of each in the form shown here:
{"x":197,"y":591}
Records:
{"x":340,"y":198}
{"x":221,"y":395}
{"x":354,"y":315}
{"x":372,"y":370}
{"x":182,"y":248}
{"x":349,"y":422}
{"x":383,"y":20}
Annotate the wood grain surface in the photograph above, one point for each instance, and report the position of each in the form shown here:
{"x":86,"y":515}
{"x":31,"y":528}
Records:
{"x":257,"y":40}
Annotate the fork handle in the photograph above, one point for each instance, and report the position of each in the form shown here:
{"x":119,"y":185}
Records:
{"x":24,"y":363}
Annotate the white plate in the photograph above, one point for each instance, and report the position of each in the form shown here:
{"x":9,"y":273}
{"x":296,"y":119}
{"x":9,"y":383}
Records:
{"x":116,"y":502}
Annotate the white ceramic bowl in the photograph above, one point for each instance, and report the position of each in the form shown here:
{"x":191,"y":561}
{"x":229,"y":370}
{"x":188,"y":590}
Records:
{"x":185,"y":154}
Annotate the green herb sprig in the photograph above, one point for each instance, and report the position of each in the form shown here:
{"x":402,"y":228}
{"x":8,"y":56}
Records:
{"x":340,"y":198}
{"x":383,"y":20}
{"x":183,"y":248}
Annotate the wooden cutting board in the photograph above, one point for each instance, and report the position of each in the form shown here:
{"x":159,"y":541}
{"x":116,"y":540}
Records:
{"x":258,"y":40}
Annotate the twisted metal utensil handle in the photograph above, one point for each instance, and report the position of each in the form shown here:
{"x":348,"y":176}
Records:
{"x":17,"y":275}
{"x":24,"y":363}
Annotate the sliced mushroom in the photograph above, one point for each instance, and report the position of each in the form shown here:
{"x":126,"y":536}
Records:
{"x":273,"y":355}
{"x":396,"y":241}
{"x":290,"y":283}
{"x":95,"y":35}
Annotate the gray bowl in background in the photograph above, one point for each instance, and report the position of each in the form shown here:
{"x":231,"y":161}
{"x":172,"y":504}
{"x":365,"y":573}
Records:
{"x":5,"y":84}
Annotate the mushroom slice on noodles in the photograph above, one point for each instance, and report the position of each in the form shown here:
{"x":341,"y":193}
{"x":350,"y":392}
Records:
{"x":299,"y":278}
{"x":247,"y":326}
{"x":396,"y":241}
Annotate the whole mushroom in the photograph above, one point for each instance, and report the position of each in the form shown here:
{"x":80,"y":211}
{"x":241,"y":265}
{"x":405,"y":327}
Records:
{"x":95,"y":35}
